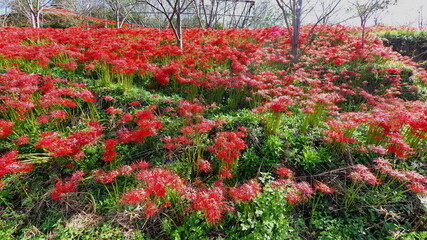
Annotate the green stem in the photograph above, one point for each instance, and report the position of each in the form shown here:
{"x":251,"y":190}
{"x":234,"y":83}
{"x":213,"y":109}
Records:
{"x":397,"y":194}
{"x":22,"y":185}
{"x":7,"y":204}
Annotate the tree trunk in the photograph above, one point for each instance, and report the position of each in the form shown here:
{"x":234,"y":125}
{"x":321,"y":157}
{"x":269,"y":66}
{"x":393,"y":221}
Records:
{"x":38,"y":18}
{"x":33,"y":20}
{"x":296,"y":32}
{"x":118,"y":17}
{"x":179,"y":25}
{"x":363,"y":23}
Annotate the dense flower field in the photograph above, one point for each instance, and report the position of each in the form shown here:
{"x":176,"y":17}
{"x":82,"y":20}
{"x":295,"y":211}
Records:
{"x":225,"y":138}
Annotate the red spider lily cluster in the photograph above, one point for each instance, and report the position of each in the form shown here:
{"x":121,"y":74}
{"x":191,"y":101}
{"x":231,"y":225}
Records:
{"x":8,"y":164}
{"x":297,"y":192}
{"x":227,"y":147}
{"x":69,"y":185}
{"x":412,"y":179}
{"x":395,"y":126}
{"x":70,"y":145}
{"x":19,"y":93}
{"x":214,"y":202}
{"x":217,"y":67}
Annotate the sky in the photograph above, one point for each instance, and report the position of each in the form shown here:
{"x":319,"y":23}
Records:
{"x":405,"y":12}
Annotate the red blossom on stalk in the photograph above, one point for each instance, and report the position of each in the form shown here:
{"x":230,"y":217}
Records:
{"x":418,"y":187}
{"x":112,"y":110}
{"x":60,"y":114}
{"x":227,"y":146}
{"x":108,"y":177}
{"x":110,"y":153}
{"x":212,"y":202}
{"x":69,"y":185}
{"x":8,"y":164}
{"x":203,"y":165}
{"x":151,"y":209}
{"x":322,"y":187}
{"x":135,"y":196}
{"x":304,"y":188}
{"x":245,"y":192}
{"x":284,"y":172}
{"x":22,"y":140}
{"x":5,"y":128}
{"x":147,"y":125}
{"x":127,"y":117}
{"x":158,"y":181}
{"x":294,"y":198}
{"x":362,"y":173}
{"x":72,"y":144}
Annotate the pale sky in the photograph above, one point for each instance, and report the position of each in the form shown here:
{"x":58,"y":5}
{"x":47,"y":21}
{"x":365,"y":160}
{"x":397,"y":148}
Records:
{"x":406,"y":12}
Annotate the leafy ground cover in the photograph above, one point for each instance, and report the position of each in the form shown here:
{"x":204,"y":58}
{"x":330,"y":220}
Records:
{"x":118,"y":134}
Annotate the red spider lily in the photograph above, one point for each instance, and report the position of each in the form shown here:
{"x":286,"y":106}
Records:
{"x":43,"y":119}
{"x":147,"y":125}
{"x":383,"y":165}
{"x":227,"y":146}
{"x":127,"y":117}
{"x":22,"y":140}
{"x":362,"y":173}
{"x":203,"y":165}
{"x":70,"y":185}
{"x":418,"y":187}
{"x":212,"y":202}
{"x":108,"y":177}
{"x":285,"y":173}
{"x":112,"y":110}
{"x":245,"y":192}
{"x":158,"y":181}
{"x":5,"y":128}
{"x":110,"y":146}
{"x":134,"y":103}
{"x":60,"y":114}
{"x":280,"y":104}
{"x":108,"y":98}
{"x":188,"y":109}
{"x":304,"y":188}
{"x":294,"y":198}
{"x":322,"y":187}
{"x":72,"y":144}
{"x":150,"y":209}
{"x":135,"y":196}
{"x":140,"y":165}
{"x":8,"y":164}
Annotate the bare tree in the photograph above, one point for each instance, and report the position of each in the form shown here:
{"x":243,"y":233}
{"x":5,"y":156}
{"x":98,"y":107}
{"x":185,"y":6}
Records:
{"x":366,"y":9}
{"x":207,"y":12}
{"x":295,"y":10}
{"x":32,"y":9}
{"x":420,"y":18}
{"x":265,"y":14}
{"x":120,"y":10}
{"x":82,"y":8}
{"x":173,"y":11}
{"x":5,"y":7}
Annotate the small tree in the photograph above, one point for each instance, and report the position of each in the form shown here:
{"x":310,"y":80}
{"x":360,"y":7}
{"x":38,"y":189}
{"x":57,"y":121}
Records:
{"x":82,"y":8}
{"x":420,"y":19}
{"x":32,"y":9}
{"x":207,"y":12}
{"x":366,"y":9}
{"x":265,"y":14}
{"x":120,"y":10}
{"x":172,"y":10}
{"x":293,"y":13}
{"x":5,"y":6}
